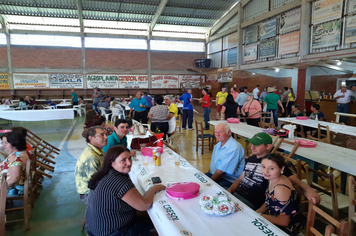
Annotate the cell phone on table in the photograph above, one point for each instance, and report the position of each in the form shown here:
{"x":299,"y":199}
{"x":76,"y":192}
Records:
{"x":156,"y":180}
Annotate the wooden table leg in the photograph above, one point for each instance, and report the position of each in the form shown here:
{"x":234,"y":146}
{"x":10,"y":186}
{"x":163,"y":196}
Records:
{"x":71,"y":123}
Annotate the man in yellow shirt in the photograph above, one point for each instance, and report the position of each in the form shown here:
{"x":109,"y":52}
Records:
{"x":219,"y":101}
{"x":172,"y":115}
{"x":90,"y":161}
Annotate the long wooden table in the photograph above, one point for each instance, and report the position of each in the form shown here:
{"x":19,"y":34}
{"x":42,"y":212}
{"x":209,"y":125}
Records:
{"x":184,"y":217}
{"x":343,"y":159}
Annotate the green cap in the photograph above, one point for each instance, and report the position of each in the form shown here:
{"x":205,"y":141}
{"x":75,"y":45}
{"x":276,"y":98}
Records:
{"x":260,"y":138}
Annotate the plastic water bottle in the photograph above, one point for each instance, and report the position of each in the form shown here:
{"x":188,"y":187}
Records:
{"x":316,"y":118}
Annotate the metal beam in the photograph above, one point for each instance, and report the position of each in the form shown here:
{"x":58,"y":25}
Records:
{"x":226,"y":32}
{"x":274,"y":12}
{"x":337,"y":68}
{"x":5,"y":26}
{"x":220,"y":23}
{"x":160,"y":8}
{"x":244,"y":3}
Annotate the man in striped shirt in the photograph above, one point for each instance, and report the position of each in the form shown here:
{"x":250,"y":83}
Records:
{"x":90,"y":160}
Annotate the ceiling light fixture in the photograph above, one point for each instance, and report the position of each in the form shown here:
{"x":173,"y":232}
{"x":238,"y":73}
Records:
{"x":276,"y":70}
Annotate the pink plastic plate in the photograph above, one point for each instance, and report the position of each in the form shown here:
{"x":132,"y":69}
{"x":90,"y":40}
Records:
{"x":147,"y":151}
{"x":233,"y":120}
{"x":5,"y":131}
{"x":301,"y":118}
{"x":306,"y":143}
{"x":182,"y":190}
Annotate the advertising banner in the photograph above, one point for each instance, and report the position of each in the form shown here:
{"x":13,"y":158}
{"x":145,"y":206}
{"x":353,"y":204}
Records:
{"x":251,"y":34}
{"x":268,"y":29}
{"x":351,"y":6}
{"x":133,"y":81}
{"x":232,"y":56}
{"x":250,"y":52}
{"x":350,"y":29}
{"x":4,"y":81}
{"x":290,"y":21}
{"x":326,"y":10}
{"x":102,"y":81}
{"x":225,"y":75}
{"x":30,"y":81}
{"x":267,"y":48}
{"x":326,"y":35}
{"x":289,"y":43}
{"x":66,"y":81}
{"x":164,"y":81}
{"x":191,"y":81}
{"x":212,"y":78}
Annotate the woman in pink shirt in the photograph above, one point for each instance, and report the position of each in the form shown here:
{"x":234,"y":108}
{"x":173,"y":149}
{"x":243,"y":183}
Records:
{"x":251,"y":110}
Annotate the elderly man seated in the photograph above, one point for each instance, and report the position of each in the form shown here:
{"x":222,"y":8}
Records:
{"x":90,"y":160}
{"x":228,"y":159}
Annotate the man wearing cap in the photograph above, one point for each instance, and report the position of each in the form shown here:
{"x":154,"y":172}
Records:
{"x":272,"y":100}
{"x":228,"y":158}
{"x":250,"y":187}
{"x":187,"y":100}
{"x":343,"y":96}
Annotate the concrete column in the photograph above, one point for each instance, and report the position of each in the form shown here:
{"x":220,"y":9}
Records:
{"x":5,"y":26}
{"x":301,"y":88}
{"x":240,"y":53}
{"x":149,"y":62}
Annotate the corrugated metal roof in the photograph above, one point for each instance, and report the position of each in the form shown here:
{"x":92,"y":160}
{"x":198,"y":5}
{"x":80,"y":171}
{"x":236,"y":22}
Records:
{"x":201,"y":14}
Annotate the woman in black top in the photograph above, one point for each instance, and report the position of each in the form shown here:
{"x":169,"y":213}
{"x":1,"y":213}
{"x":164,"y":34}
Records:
{"x":295,"y":111}
{"x":113,"y":200}
{"x":229,"y":109}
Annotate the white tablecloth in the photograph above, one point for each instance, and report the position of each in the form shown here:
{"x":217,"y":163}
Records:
{"x":337,"y":128}
{"x":340,"y":158}
{"x":38,"y":115}
{"x":4,"y":107}
{"x":172,"y":217}
{"x":68,"y":104}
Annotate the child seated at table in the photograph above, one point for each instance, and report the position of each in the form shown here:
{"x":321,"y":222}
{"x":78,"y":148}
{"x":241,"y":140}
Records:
{"x":22,"y":104}
{"x":49,"y":102}
{"x":282,"y":204}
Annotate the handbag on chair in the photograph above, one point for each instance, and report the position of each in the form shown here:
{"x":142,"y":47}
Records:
{"x":138,"y":143}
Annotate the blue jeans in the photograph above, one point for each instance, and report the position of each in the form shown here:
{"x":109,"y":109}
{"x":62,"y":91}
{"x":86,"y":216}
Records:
{"x":343,"y":108}
{"x":187,"y":114}
{"x":206,"y":111}
{"x":222,"y":182}
{"x":94,"y":108}
{"x":275,"y":116}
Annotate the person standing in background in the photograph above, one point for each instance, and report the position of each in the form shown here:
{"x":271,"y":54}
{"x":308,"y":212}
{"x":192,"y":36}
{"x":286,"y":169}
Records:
{"x":187,"y":100}
{"x":74,"y":97}
{"x":276,"y":90}
{"x":97,"y":96}
{"x":272,"y":100}
{"x":284,"y":99}
{"x":219,"y":101}
{"x":205,"y":104}
{"x":241,"y":98}
{"x":233,"y":92}
{"x":255,"y":92}
{"x":263,"y":95}
{"x":149,"y":101}
{"x":290,"y":100}
{"x":343,"y":96}
{"x":139,"y":105}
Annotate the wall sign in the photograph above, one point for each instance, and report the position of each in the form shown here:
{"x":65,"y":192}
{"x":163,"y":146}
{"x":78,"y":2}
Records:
{"x":30,"y":81}
{"x":164,"y":81}
{"x":326,"y":10}
{"x":326,"y":35}
{"x":250,"y":34}
{"x":289,"y":43}
{"x":102,"y":81}
{"x":350,"y":29}
{"x":268,"y":29}
{"x":267,"y":48}
{"x":289,"y":21}
{"x":232,"y":56}
{"x":212,"y":78}
{"x":4,"y":81}
{"x":225,"y":75}
{"x":250,"y":52}
{"x":66,"y":80}
{"x":191,"y":81}
{"x":133,"y":81}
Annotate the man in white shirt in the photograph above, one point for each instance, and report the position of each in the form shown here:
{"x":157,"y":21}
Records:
{"x":343,"y":97}
{"x":255,"y":92}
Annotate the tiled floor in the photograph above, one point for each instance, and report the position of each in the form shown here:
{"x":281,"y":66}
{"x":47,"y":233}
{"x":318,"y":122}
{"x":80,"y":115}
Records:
{"x":58,"y":210}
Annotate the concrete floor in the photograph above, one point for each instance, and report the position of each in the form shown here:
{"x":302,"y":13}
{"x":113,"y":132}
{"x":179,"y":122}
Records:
{"x":58,"y":210}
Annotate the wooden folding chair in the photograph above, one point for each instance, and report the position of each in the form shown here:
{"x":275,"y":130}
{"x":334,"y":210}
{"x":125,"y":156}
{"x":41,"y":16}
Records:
{"x":296,"y":165}
{"x":203,"y":139}
{"x":326,"y":138}
{"x":26,"y":198}
{"x":3,"y":191}
{"x":352,"y":202}
{"x":343,"y":226}
{"x":263,"y":120}
{"x":330,"y":200}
